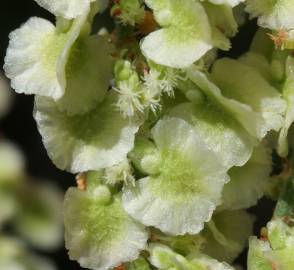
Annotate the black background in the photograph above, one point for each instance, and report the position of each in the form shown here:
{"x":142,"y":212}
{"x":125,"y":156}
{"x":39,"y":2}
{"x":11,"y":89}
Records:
{"x":19,"y":125}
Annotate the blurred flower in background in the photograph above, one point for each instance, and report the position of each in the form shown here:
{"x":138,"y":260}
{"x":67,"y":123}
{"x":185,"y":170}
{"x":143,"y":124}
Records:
{"x":30,"y":210}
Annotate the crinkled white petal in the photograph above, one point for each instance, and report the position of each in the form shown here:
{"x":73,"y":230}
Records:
{"x":68,"y":9}
{"x":30,"y":63}
{"x":37,"y":55}
{"x":272,"y":14}
{"x":252,"y":179}
{"x":219,"y":130}
{"x":186,"y":191}
{"x":251,"y":121}
{"x":185,"y":36}
{"x":100,"y":236}
{"x":93,"y":141}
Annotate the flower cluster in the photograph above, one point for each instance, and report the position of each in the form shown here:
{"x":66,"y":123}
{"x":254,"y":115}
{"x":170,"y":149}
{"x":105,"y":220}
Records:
{"x":172,"y":143}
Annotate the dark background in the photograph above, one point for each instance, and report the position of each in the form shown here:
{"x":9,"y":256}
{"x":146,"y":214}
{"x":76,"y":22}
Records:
{"x":19,"y":126}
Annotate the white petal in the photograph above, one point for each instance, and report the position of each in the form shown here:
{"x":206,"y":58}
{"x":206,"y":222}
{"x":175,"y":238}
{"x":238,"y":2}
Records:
{"x":219,"y":130}
{"x":272,"y":14}
{"x":30,"y":63}
{"x":93,"y":141}
{"x":68,"y":9}
{"x":252,"y":179}
{"x":244,"y":84}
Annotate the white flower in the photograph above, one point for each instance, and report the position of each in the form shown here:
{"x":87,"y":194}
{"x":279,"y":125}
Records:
{"x":185,"y":35}
{"x":98,"y":232}
{"x":183,"y":192}
{"x":92,"y":141}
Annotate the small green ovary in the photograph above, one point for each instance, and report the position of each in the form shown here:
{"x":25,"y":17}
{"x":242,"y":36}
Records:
{"x":102,"y":223}
{"x":179,"y":179}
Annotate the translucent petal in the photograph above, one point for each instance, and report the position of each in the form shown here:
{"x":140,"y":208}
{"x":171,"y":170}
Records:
{"x":227,"y":234}
{"x":288,"y":94}
{"x":68,"y":9}
{"x":185,"y":36}
{"x":219,"y":130}
{"x":163,"y":257}
{"x":100,"y":235}
{"x":251,"y":121}
{"x":185,"y":193}
{"x":88,"y":74}
{"x":93,"y":141}
{"x":39,"y":218}
{"x":252,"y":179}
{"x":272,"y":14}
{"x":244,"y":84}
{"x":258,"y":62}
